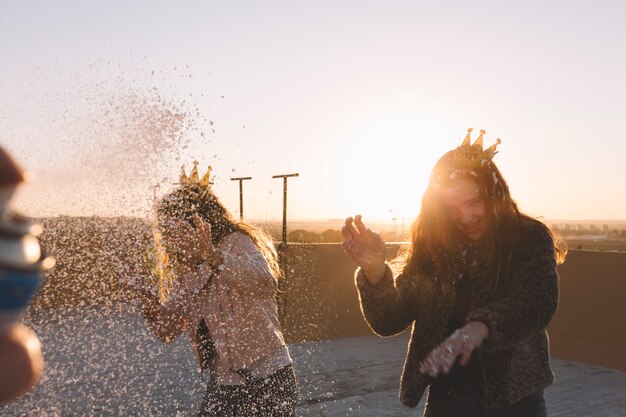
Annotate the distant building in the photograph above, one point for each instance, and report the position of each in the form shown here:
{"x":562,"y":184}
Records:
{"x":581,"y":227}
{"x":605,"y":228}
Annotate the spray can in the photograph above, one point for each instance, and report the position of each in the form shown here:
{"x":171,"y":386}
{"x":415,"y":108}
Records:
{"x":22,"y":262}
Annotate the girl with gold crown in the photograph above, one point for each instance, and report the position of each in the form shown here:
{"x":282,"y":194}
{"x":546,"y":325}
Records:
{"x":478,"y":284}
{"x":217,"y":280}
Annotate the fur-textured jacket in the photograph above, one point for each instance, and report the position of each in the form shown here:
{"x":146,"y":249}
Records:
{"x":514,"y":358}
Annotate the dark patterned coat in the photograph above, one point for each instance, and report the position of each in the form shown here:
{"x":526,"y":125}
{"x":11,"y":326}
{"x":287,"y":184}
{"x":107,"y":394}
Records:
{"x":514,"y":358}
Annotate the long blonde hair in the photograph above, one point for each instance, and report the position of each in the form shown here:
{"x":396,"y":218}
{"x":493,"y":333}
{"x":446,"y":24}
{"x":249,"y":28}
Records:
{"x":188,"y":200}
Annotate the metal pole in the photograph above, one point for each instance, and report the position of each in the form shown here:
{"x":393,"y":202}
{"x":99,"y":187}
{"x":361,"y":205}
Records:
{"x":282,"y":249}
{"x":284,"y":209}
{"x":241,"y":180}
{"x":284,"y":177}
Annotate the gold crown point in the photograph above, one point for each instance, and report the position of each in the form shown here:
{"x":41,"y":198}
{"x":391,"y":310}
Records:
{"x":479,"y":141}
{"x":183,"y":175}
{"x":205,"y":181}
{"x":467,"y":139}
{"x":491,"y":151}
{"x":194,"y":172}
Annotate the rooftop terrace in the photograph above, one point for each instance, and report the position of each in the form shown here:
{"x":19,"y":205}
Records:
{"x":105,"y":363}
{"x":101,"y":359}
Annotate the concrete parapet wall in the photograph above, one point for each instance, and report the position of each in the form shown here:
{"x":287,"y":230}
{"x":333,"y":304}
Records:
{"x":589,"y":326}
{"x":590,"y":323}
{"x":318,"y":298}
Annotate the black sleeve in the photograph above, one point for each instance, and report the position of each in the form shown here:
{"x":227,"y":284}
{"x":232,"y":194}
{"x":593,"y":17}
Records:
{"x":389,"y":307}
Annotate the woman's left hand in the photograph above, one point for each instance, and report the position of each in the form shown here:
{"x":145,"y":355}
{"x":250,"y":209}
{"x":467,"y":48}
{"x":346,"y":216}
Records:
{"x":195,"y":242}
{"x":207,"y":251}
{"x":460,"y":343}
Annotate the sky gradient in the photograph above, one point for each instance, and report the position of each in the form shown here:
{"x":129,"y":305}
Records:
{"x":360,"y":98}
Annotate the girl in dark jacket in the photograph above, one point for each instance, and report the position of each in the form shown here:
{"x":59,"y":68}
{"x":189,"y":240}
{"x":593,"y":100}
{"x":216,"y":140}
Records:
{"x":478,"y":284}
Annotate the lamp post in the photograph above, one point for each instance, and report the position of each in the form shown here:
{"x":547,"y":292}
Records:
{"x":282,"y":249}
{"x":284,"y":177}
{"x":241,"y":180}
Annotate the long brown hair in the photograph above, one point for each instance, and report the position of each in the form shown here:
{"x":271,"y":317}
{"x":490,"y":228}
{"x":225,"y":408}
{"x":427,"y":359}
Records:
{"x":188,"y":200}
{"x":434,"y":238}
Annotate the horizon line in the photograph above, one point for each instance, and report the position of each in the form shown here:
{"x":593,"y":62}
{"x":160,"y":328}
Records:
{"x":337,"y":219}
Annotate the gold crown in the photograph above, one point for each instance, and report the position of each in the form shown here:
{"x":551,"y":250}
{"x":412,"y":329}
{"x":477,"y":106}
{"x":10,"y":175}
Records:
{"x":194,"y":178}
{"x":468,"y":155}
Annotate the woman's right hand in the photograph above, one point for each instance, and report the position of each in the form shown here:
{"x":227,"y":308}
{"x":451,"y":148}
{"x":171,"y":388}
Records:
{"x":365,"y":247}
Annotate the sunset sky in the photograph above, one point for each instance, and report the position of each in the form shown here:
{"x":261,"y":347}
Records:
{"x":359,"y":97}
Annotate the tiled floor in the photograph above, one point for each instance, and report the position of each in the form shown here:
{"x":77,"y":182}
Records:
{"x":360,"y":377}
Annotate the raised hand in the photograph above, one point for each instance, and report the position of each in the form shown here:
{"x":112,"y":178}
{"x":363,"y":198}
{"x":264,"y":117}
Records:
{"x":203,"y":236}
{"x":365,"y":247}
{"x":192,"y":244}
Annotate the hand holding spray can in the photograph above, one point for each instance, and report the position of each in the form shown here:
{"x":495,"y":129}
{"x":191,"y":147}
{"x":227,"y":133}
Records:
{"x":22,"y":261}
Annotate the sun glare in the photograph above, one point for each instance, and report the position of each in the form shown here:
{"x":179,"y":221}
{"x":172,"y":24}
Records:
{"x":382,"y":161}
